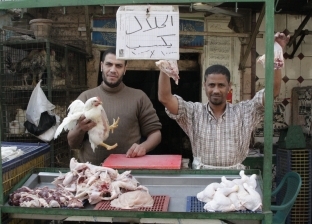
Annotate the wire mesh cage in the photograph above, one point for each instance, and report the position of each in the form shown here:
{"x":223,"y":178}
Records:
{"x":300,"y":161}
{"x":25,"y":61}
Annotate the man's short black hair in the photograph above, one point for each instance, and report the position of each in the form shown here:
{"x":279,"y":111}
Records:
{"x":218,"y":69}
{"x":111,"y":50}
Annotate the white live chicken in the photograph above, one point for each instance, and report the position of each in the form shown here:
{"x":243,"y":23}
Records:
{"x":93,"y":111}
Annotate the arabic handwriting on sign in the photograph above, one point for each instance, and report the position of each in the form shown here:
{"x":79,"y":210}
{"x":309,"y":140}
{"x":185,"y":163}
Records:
{"x":155,"y":45}
{"x":165,"y":36}
{"x":152,"y":53}
{"x":163,"y":25}
{"x":136,"y":30}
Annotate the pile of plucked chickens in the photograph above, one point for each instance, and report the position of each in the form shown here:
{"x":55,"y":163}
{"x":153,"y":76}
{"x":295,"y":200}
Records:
{"x":85,"y":181}
{"x":232,"y":195}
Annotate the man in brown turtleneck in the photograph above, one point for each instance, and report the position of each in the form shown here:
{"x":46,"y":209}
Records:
{"x":137,"y":116}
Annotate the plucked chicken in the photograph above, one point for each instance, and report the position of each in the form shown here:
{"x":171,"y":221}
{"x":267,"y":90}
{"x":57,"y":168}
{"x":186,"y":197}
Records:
{"x":207,"y":194}
{"x":133,"y":199}
{"x":93,"y":111}
{"x":232,"y":195}
{"x":98,"y":183}
{"x":169,"y":67}
{"x":221,"y":202}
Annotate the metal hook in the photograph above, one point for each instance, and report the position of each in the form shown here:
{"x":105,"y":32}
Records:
{"x":236,"y":8}
{"x":276,"y":6}
{"x":191,"y":7}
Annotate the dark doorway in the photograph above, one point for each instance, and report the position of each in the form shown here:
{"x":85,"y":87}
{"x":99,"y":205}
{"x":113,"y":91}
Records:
{"x":174,"y":140}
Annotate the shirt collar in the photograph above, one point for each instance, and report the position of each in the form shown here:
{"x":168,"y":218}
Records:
{"x":210,"y":112}
{"x":112,"y":90}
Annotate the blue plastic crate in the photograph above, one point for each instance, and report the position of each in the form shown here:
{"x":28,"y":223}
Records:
{"x":31,"y":151}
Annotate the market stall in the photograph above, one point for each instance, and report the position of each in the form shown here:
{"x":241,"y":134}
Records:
{"x":177,"y":184}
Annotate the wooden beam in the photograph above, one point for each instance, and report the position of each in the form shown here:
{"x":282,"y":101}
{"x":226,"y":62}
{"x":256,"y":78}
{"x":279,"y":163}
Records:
{"x":18,"y":30}
{"x":252,"y":39}
{"x":149,"y":65}
{"x":61,"y":3}
{"x":186,"y":33}
{"x":298,"y":31}
{"x":181,"y":50}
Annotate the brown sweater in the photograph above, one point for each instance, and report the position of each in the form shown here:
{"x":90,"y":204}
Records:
{"x":137,"y":118}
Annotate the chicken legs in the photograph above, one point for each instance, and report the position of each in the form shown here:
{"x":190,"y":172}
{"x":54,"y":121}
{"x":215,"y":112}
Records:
{"x":111,"y":127}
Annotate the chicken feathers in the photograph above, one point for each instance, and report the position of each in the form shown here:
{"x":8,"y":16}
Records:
{"x":21,"y":67}
{"x":38,"y":65}
{"x":93,"y":111}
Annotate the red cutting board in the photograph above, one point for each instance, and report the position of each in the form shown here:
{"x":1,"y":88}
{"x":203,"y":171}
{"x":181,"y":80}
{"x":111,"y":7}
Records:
{"x":120,"y":161}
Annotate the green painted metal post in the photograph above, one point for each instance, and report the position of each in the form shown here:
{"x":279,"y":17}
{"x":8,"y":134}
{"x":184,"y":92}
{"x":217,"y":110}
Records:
{"x":268,"y":134}
{"x":268,"y":118}
{"x":1,"y":74}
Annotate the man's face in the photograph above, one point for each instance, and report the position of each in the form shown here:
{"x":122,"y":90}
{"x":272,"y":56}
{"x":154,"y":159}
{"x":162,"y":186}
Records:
{"x":217,"y":88}
{"x":113,"y":70}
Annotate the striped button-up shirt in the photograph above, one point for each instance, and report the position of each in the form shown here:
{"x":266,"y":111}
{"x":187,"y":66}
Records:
{"x":220,"y":142}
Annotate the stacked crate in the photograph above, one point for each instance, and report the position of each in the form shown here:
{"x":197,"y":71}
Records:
{"x":63,"y":79}
{"x":14,"y":169}
{"x":300,"y":161}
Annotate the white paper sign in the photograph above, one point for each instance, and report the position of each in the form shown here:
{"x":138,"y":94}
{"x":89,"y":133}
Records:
{"x":149,"y":32}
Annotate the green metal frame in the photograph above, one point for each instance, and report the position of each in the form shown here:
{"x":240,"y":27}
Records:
{"x":266,"y":215}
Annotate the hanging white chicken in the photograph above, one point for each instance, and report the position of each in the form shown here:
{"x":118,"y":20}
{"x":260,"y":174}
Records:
{"x":93,"y":111}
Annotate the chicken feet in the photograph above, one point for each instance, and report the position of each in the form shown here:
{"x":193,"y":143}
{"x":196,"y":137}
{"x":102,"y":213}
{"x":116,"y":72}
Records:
{"x":111,"y":127}
{"x":114,"y":125}
{"x":108,"y":147}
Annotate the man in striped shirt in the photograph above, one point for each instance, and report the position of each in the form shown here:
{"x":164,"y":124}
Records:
{"x":219,"y":131}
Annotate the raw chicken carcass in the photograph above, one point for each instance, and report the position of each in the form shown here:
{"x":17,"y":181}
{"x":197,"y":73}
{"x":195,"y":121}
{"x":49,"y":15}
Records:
{"x":169,"y":67}
{"x":252,"y":200}
{"x":227,"y":183}
{"x":220,"y":201}
{"x":93,"y":111}
{"x":133,"y":199}
{"x":278,"y":57}
{"x":207,"y":194}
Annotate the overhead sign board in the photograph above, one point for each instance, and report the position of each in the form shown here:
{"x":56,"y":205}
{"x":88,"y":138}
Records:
{"x":148,"y":32}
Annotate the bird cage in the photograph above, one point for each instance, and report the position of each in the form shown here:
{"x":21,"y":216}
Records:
{"x":25,"y":61}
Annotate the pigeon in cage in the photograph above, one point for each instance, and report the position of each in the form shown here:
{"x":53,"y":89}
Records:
{"x":16,"y":127}
{"x":57,"y":70}
{"x":21,"y":118}
{"x":93,"y":111}
{"x":38,"y":65}
{"x":20,"y":68}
